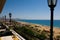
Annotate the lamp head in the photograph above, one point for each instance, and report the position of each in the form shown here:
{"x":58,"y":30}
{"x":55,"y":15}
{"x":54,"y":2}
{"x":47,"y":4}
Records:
{"x":10,"y":14}
{"x":52,"y":3}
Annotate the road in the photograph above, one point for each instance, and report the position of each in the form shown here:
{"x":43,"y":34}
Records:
{"x":16,"y":34}
{"x":2,"y":27}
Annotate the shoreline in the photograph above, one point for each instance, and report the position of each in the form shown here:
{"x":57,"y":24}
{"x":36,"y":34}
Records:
{"x":42,"y":27}
{"x":36,"y":24}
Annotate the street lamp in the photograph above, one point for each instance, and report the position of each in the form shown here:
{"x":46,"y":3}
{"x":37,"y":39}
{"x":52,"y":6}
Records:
{"x":5,"y":19}
{"x":10,"y":18}
{"x":51,"y":4}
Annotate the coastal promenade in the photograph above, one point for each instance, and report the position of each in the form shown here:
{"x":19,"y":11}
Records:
{"x":16,"y":34}
{"x":6,"y":34}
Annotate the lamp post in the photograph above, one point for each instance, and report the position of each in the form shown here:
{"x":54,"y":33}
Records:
{"x":10,"y":18}
{"x":5,"y":19}
{"x":51,"y":4}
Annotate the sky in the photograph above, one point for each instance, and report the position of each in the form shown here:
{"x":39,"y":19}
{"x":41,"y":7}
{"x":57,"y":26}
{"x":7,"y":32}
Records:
{"x":30,"y":9}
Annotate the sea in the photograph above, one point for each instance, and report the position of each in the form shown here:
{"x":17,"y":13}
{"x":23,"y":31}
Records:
{"x":56,"y":23}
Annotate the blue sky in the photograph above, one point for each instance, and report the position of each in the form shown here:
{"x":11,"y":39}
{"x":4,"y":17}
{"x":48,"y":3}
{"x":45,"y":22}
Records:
{"x":30,"y":9}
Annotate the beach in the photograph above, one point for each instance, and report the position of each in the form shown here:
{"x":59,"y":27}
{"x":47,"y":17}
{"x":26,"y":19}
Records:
{"x":56,"y":31}
{"x":38,"y":28}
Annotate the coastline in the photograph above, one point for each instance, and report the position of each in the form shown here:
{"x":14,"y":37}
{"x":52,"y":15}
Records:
{"x":56,"y":30}
{"x":36,"y":24}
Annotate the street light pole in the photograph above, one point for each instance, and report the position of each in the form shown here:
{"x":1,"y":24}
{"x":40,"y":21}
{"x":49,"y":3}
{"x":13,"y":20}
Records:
{"x":51,"y":24}
{"x":51,"y":4}
{"x":10,"y":18}
{"x":5,"y":19}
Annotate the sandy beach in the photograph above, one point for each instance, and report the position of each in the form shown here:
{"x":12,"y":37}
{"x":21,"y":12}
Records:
{"x":42,"y":27}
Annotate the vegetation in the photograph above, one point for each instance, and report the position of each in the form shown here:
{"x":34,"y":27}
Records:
{"x":29,"y":34}
{"x":58,"y":37}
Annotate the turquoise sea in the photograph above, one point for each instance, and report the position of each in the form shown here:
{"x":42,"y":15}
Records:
{"x":43,"y":22}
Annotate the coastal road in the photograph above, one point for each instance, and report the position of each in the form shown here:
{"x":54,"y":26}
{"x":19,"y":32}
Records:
{"x":16,"y":34}
{"x":2,"y":27}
